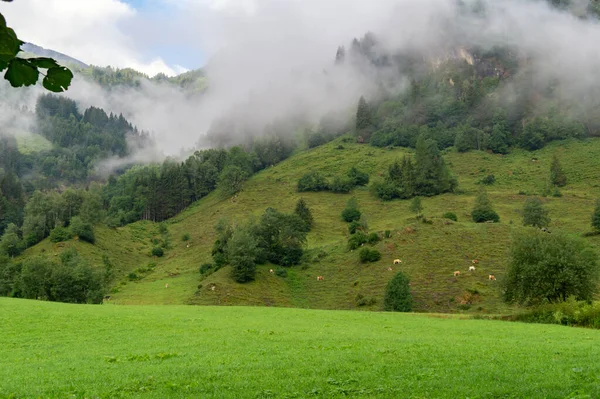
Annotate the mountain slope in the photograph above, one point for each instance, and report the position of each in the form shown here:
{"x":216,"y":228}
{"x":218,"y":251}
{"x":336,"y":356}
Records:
{"x":430,"y":253}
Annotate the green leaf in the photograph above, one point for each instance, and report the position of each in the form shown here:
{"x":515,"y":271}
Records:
{"x":21,"y":73}
{"x":43,"y":62}
{"x":3,"y":65}
{"x":2,"y":21}
{"x":58,"y":79}
{"x":10,"y":45}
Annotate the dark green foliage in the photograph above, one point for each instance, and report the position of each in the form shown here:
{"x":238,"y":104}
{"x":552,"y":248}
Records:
{"x":11,"y":244}
{"x":241,"y":253}
{"x":387,"y":234}
{"x":357,"y":177}
{"x":356,"y":240}
{"x":369,"y":255}
{"x":596,"y":217}
{"x":281,"y":272}
{"x":224,"y":232}
{"x":488,"y":180}
{"x":186,"y":237}
{"x":313,"y":181}
{"x":361,"y":300}
{"x":60,"y":234}
{"x":351,"y":215}
{"x":534,"y":213}
{"x":280,"y":238}
{"x":450,"y":215}
{"x":341,"y":185}
{"x":206,"y":268}
{"x":354,"y":226}
{"x":568,"y":313}
{"x":373,"y":238}
{"x":397,"y":294}
{"x":428,"y":176}
{"x":550,"y":267}
{"x":557,"y":175}
{"x":158,"y":252}
{"x":416,"y":206}
{"x":364,"y":117}
{"x":85,"y":231}
{"x":303,"y":212}
{"x":482,"y":211}
{"x":9,"y":276}
{"x":232,"y":179}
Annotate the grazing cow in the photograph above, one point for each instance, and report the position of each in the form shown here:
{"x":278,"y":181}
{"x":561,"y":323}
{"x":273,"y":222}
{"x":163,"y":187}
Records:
{"x":187,"y":246}
{"x":475,"y":261}
{"x":456,"y":273}
{"x":397,"y":261}
{"x":319,"y":278}
{"x":390,"y":269}
{"x":492,"y":277}
{"x":213,"y":288}
{"x":471,"y":268}
{"x":167,"y":285}
{"x":271,"y":271}
{"x":107,"y":298}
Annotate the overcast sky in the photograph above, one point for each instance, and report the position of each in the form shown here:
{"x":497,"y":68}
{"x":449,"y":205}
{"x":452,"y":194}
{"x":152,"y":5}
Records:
{"x":142,"y":34}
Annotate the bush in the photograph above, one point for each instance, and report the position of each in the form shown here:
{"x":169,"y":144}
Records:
{"x":373,"y":238}
{"x":354,"y":227}
{"x":361,"y":300}
{"x":450,"y":215}
{"x":534,"y":213}
{"x":356,"y":240}
{"x":387,"y":234}
{"x":357,"y":177}
{"x":485,"y":215}
{"x":341,"y":185}
{"x":186,"y":237}
{"x":351,"y":214}
{"x":281,"y":272}
{"x":313,"y":181}
{"x":85,"y":231}
{"x":158,"y":252}
{"x":397,"y":294}
{"x":369,"y":255}
{"x":569,"y":313}
{"x":206,"y":268}
{"x":488,"y":180}
{"x":60,"y":234}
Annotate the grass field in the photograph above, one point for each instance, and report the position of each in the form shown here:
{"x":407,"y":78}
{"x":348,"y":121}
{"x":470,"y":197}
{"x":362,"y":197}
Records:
{"x":51,"y":350}
{"x":430,"y":253}
{"x":29,"y":143}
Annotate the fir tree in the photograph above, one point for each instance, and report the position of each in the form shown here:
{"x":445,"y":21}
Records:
{"x":534,"y":213}
{"x":364,"y":116}
{"x":482,"y":211}
{"x":303,"y":211}
{"x":557,"y":175}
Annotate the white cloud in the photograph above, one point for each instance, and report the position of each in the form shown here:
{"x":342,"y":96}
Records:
{"x":93,"y":31}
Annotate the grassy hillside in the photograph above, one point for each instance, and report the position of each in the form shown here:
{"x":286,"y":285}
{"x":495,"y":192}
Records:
{"x":56,"y":350}
{"x":430,"y":253}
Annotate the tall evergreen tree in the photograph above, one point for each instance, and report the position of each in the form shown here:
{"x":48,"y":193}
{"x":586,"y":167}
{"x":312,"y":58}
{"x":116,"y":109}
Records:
{"x":483,"y":211}
{"x":364,"y":116}
{"x":241,"y":253}
{"x":303,"y":211}
{"x":557,"y":175}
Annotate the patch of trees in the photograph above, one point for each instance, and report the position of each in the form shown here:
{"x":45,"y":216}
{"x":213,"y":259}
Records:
{"x":276,"y":238}
{"x":316,"y":181}
{"x":427,"y":176}
{"x":482,"y":210}
{"x":550,"y":268}
{"x":72,"y":279}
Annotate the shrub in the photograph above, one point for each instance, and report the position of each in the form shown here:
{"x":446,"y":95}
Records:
{"x":206,"y":268}
{"x":60,"y":234}
{"x":313,"y":181}
{"x":158,"y":252}
{"x":356,"y":240}
{"x":85,"y":231}
{"x":387,"y":234}
{"x":373,"y":238}
{"x":351,"y":214}
{"x":354,"y":227}
{"x":361,"y":300}
{"x":357,"y":177}
{"x":132,"y":276}
{"x":369,"y":255}
{"x":482,"y":211}
{"x":186,"y":237}
{"x":450,"y":215}
{"x":341,"y":185}
{"x":569,"y":313}
{"x":397,"y":294}
{"x":488,"y":180}
{"x":304,"y":213}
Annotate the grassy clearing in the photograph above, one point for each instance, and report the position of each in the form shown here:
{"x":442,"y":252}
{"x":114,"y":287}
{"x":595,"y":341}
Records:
{"x":430,"y":253}
{"x":52,"y":350}
{"x":29,"y":143}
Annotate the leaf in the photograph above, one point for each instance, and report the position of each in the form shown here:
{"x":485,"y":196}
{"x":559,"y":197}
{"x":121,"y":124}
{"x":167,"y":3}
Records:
{"x":43,"y":62}
{"x":2,"y":21}
{"x":58,"y":79}
{"x":10,"y":45}
{"x":21,"y":73}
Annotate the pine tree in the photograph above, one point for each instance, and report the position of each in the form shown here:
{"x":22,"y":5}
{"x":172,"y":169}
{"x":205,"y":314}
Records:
{"x":397,"y":294}
{"x":416,"y":206}
{"x":557,"y":175}
{"x":534,"y":213}
{"x":303,"y":211}
{"x":364,"y":116}
{"x":482,"y":211}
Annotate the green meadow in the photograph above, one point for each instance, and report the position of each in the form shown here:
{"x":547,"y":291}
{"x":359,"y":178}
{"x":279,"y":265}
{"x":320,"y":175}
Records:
{"x":430,"y":253}
{"x":53,"y":350}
